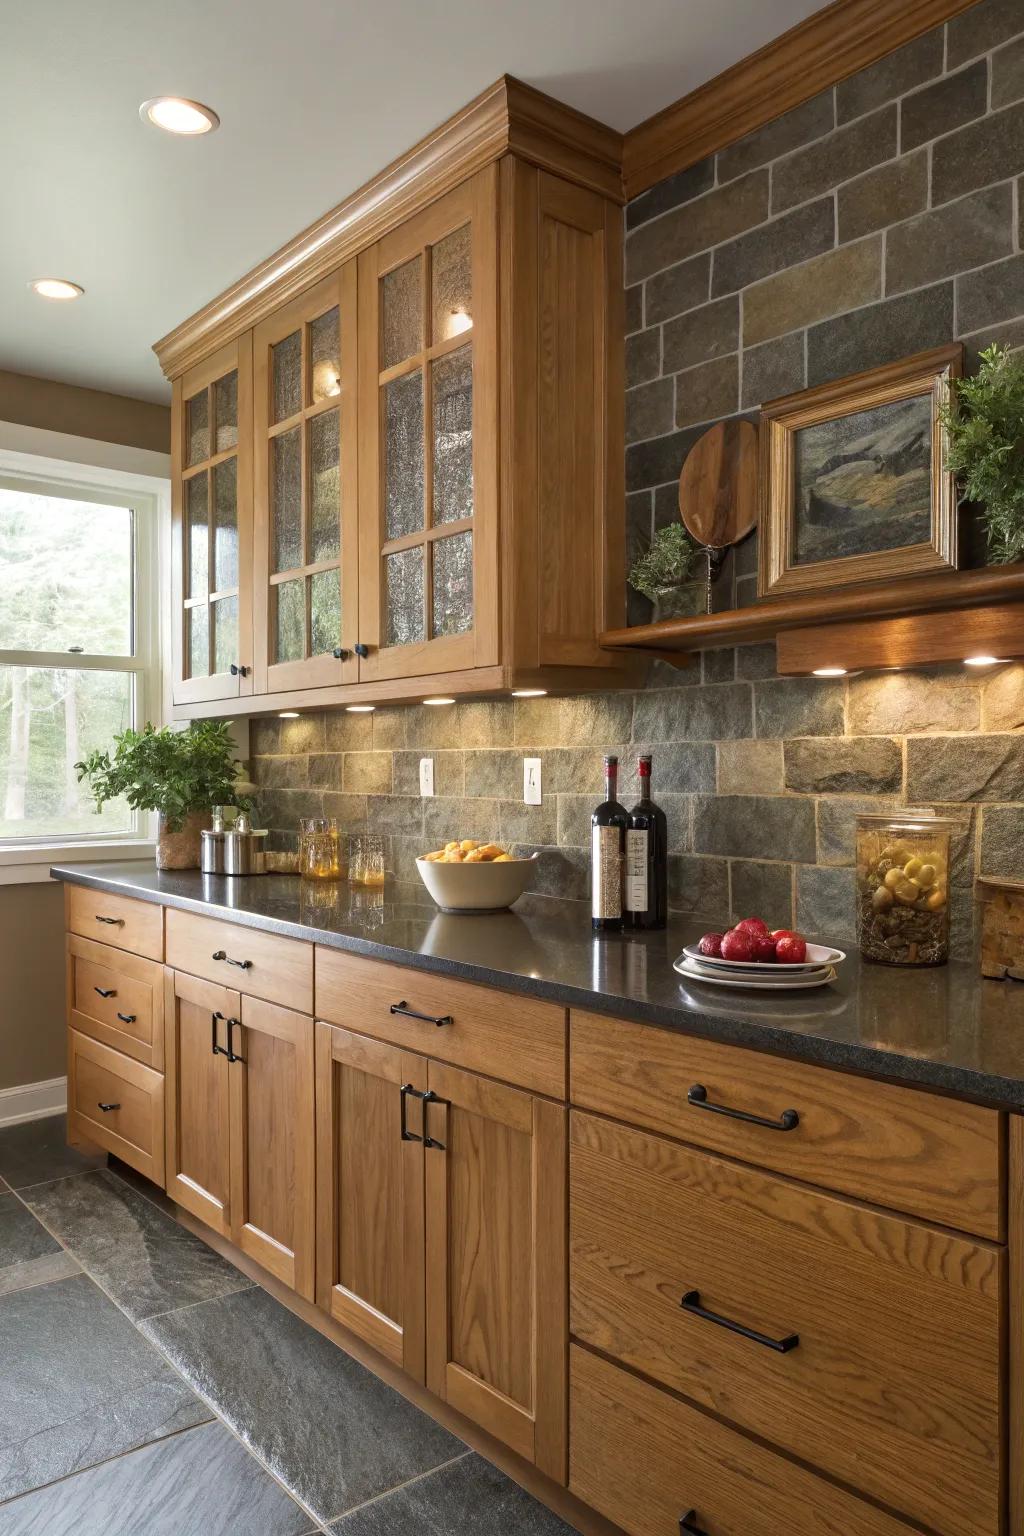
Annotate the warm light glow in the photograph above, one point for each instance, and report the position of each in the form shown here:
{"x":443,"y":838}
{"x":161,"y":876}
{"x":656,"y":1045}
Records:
{"x":830,"y":672}
{"x":55,"y":288}
{"x":176,"y":114}
{"x":326,"y":381}
{"x":529,"y":693}
{"x":439,"y":701}
{"x":981,"y":661}
{"x":360,"y":709}
{"x":288,"y":714}
{"x":459,"y":321}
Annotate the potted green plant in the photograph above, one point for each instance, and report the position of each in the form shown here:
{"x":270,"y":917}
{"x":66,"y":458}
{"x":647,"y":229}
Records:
{"x":666,"y":573}
{"x":178,"y":774}
{"x":984,"y":423}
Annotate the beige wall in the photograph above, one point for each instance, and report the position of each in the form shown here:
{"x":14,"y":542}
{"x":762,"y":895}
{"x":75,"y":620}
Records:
{"x":31,"y":983}
{"x":32,"y":402}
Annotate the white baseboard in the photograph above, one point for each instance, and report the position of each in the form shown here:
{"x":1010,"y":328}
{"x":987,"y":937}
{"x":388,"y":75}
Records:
{"x":33,"y":1101}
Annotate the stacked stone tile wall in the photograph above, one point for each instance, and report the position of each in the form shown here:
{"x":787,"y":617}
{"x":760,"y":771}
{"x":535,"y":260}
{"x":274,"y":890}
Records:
{"x":878,"y":219}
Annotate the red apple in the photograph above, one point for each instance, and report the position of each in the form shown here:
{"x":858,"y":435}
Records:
{"x":791,"y":949}
{"x":711,"y":944}
{"x":755,"y":926}
{"x":785,"y":933}
{"x":737,"y":945}
{"x":764,"y":948}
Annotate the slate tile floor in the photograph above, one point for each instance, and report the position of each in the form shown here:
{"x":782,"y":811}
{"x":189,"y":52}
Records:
{"x":149,"y":1388}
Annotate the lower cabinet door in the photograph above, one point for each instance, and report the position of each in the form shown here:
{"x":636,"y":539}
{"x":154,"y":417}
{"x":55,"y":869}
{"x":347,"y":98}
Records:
{"x":117,"y":1103}
{"x":270,"y":1071}
{"x":369,"y":1118}
{"x":196,"y":1015}
{"x":496,"y":1288}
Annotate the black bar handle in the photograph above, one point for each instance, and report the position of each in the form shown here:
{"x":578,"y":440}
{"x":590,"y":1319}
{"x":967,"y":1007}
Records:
{"x":230,"y":1053}
{"x":688,"y":1523}
{"x":220,"y":954}
{"x":106,"y":991}
{"x":427,"y":1018}
{"x":406,"y":1089}
{"x":218,"y":1050}
{"x":430,"y":1097}
{"x":127,"y":1018}
{"x":106,"y":1108}
{"x":691,"y":1303}
{"x":698,"y":1098}
{"x":115,"y":922}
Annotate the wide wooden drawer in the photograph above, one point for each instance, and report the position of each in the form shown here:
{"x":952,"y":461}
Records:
{"x":137,"y":926}
{"x":117,"y":1103}
{"x":877,"y":1348}
{"x":934,"y":1157}
{"x":648,"y":1461}
{"x":118,"y":998}
{"x":247,"y":959}
{"x":520,"y":1039}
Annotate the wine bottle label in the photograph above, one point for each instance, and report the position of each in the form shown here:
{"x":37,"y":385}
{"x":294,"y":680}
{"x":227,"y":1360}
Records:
{"x":606,"y":874}
{"x":636,"y":870}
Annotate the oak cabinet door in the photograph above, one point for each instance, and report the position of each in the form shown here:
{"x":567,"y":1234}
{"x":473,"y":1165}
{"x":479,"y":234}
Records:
{"x":198,"y":1162}
{"x":270,"y":1070}
{"x":211,"y":520}
{"x":495,"y":1269}
{"x":428,"y":461}
{"x":370,"y":1191}
{"x":305,"y":538}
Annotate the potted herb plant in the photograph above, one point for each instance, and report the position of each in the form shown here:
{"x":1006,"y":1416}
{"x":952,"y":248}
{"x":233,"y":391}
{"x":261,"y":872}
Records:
{"x":178,"y":774}
{"x":666,"y":573}
{"x":984,"y":423}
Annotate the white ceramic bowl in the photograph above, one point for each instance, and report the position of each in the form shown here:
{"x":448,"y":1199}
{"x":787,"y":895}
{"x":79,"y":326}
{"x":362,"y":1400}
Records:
{"x":483,"y":887}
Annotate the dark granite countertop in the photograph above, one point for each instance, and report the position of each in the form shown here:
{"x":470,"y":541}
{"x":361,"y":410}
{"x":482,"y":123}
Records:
{"x":944,"y":1029}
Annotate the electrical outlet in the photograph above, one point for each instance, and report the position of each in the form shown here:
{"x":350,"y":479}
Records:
{"x":426,"y":775}
{"x":531,"y":780}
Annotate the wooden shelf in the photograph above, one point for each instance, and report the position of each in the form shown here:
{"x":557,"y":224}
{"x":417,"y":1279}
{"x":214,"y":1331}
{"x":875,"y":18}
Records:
{"x":855,"y":608}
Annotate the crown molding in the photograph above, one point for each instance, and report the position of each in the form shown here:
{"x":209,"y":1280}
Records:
{"x":827,"y":47}
{"x":509,"y":117}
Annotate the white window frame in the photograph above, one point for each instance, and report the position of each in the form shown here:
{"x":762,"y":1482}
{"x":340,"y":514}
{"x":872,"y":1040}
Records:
{"x":148,"y":498}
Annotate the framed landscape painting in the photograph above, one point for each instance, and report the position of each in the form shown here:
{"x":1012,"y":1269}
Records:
{"x":853,"y":483}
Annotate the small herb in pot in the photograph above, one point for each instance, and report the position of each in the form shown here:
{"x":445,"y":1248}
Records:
{"x":173,"y":772}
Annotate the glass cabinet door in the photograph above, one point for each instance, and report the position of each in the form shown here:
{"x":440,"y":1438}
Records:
{"x":428,"y":398}
{"x":305,"y":489}
{"x":212,"y":524}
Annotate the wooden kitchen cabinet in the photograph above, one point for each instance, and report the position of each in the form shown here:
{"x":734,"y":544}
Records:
{"x":197,"y":1096}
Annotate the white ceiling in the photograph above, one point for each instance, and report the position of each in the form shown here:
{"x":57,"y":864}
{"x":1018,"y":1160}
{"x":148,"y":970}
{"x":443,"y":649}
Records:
{"x":314,"y":97}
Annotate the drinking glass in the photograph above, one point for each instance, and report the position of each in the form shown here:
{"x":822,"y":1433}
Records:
{"x":319,"y":851}
{"x":366,"y":861}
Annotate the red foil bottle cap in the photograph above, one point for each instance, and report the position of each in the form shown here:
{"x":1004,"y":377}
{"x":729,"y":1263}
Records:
{"x":644,"y":767}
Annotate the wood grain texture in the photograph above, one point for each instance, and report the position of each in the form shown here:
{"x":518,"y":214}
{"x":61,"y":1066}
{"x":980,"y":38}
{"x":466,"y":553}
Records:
{"x":895,"y":1385}
{"x":645,"y":1458}
{"x":933,"y":1157}
{"x":272,"y":1141}
{"x":1015,"y":1325}
{"x":279,"y":970}
{"x":997,"y":630}
{"x":130,"y":1017}
{"x":197,"y":1093}
{"x":137,"y":926}
{"x":516,"y":1038}
{"x":718,"y":485}
{"x":134,"y":1129}
{"x":828,"y":46}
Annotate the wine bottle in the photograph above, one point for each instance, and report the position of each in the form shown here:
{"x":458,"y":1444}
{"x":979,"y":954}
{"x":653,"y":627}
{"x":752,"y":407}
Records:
{"x":607,"y":845}
{"x":646,"y":878}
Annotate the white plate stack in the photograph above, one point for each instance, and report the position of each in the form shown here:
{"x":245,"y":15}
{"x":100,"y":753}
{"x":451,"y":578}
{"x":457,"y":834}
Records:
{"x":817,"y":970}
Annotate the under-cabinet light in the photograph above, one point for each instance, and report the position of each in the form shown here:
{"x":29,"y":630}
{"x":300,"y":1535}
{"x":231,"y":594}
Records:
{"x":529,"y":693}
{"x":982,"y":661}
{"x":439,"y":701}
{"x":360,"y":709}
{"x":288,"y":714}
{"x":829,"y":672}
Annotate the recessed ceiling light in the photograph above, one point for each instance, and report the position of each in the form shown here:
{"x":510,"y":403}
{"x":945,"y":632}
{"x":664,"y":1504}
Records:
{"x":176,"y":114}
{"x":982,"y":661}
{"x":829,"y":672}
{"x":529,"y":693}
{"x":439,"y":701}
{"x":55,"y":288}
{"x":360,"y":709}
{"x":288,"y":714}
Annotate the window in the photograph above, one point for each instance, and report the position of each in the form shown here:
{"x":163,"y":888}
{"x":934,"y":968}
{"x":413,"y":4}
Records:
{"x":76,"y":645}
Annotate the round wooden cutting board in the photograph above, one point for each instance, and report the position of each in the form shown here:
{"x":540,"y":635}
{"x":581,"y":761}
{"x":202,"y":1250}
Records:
{"x":718,"y":485}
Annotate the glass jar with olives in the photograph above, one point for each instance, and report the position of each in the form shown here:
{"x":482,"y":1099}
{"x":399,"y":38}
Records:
{"x":903,"y":888}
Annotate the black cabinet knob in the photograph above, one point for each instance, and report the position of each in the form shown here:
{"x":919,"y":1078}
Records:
{"x":106,"y":1108}
{"x":340,"y":653}
{"x":362,"y":650}
{"x":238,"y":671}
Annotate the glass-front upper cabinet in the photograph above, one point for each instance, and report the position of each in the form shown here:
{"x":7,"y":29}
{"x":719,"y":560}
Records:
{"x":305,"y":581}
{"x":428,"y":439}
{"x":212,"y":524}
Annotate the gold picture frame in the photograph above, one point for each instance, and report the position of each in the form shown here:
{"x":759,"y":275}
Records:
{"x":880,"y":504}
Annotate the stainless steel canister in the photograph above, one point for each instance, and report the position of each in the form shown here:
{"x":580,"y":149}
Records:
{"x":211,"y":858}
{"x":245,"y":853}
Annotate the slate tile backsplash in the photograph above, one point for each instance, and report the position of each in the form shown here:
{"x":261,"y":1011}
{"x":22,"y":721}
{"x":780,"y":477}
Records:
{"x":876,"y":220}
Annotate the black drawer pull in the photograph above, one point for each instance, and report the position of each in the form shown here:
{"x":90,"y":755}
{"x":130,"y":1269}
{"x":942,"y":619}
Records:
{"x":691,"y":1303}
{"x":688,"y":1523}
{"x":218,"y":1050}
{"x":231,"y":1054}
{"x":106,"y":1108}
{"x":106,"y":991}
{"x":127,"y":1018}
{"x":698,"y":1098}
{"x":428,"y":1018}
{"x":115,"y":922}
{"x":243,"y":965}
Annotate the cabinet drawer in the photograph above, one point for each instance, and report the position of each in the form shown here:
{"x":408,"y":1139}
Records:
{"x":137,"y":926}
{"x":117,"y":998}
{"x":257,"y":963}
{"x":893,"y":1384}
{"x":133,"y":1127}
{"x":934,"y":1157}
{"x":646,"y":1461}
{"x":516,"y":1038}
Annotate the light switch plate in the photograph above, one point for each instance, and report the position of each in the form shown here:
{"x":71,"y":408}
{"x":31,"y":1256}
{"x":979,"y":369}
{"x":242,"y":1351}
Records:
{"x":531,"y":780}
{"x":426,"y":775}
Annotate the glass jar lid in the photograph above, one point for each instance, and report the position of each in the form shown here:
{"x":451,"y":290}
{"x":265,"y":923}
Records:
{"x":909,"y":820}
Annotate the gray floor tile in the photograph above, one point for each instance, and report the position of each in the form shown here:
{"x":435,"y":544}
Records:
{"x":28,"y":1254}
{"x":143,"y":1259}
{"x":78,"y":1385}
{"x":468,"y":1495}
{"x":201,"y":1483}
{"x":37,"y":1150}
{"x":333,"y":1433}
